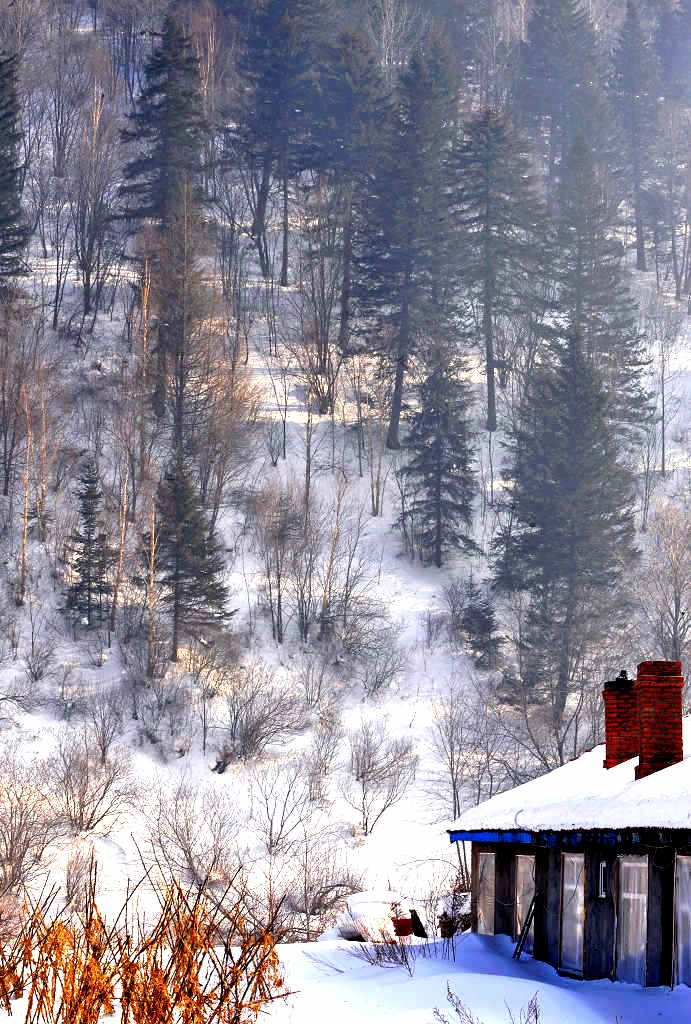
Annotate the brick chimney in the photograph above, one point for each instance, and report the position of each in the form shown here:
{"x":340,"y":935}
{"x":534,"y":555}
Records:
{"x":658,"y":692}
{"x":621,"y":720}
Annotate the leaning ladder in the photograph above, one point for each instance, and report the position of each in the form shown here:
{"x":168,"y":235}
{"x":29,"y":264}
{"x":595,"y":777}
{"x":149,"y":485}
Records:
{"x":525,"y":930}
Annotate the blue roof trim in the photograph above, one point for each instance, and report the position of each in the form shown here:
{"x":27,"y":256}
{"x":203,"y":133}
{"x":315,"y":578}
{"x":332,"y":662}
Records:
{"x":549,"y":839}
{"x":493,"y":837}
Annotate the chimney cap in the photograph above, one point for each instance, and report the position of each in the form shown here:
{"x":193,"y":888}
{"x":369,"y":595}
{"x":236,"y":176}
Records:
{"x":622,"y":682}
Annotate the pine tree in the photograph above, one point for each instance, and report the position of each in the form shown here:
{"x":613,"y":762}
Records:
{"x":190,"y":562}
{"x":169,"y":129}
{"x":500,"y":224}
{"x":439,"y":468}
{"x":558,"y":87}
{"x":572,"y":538}
{"x":593,"y":295}
{"x":403,"y":233}
{"x":13,"y":232}
{"x":164,"y":185}
{"x":673,"y":47}
{"x":634,"y":90}
{"x":92,"y":553}
{"x":278,"y":99}
{"x":347,"y":134}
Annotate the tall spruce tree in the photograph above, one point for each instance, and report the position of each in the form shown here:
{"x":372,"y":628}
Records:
{"x":347,"y":136}
{"x":92,"y":553}
{"x":13,"y":232}
{"x":635,"y":100}
{"x":593,"y":295}
{"x":278,"y":99}
{"x":168,"y":128}
{"x":501,"y":230}
{"x":570,"y":492}
{"x":439,"y":467}
{"x":190,"y":562}
{"x":163,"y":185}
{"x":403,"y":231}
{"x":558,"y":91}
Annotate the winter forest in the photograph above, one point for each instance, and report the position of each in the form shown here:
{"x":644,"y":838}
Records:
{"x":345,"y":445}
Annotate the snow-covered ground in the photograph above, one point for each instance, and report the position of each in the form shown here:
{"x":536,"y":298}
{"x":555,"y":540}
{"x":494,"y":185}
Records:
{"x":330,"y":983}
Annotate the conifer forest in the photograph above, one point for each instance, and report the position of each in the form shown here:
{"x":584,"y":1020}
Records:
{"x":345,"y":442}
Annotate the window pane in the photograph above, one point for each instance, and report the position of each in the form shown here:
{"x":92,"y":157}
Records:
{"x":485,"y":894}
{"x":682,"y":920}
{"x":525,"y":890}
{"x":632,"y":919}
{"x":572,"y":912}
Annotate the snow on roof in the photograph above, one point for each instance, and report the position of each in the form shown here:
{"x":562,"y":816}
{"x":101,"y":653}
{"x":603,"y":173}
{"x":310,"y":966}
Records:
{"x":584,"y":795}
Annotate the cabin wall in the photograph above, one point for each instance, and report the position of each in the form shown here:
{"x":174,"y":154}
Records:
{"x":600,"y":911}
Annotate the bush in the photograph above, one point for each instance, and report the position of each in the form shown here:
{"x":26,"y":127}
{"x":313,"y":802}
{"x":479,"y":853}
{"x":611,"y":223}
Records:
{"x":193,"y":834}
{"x":380,"y":771}
{"x":259,"y":713}
{"x":86,"y":792}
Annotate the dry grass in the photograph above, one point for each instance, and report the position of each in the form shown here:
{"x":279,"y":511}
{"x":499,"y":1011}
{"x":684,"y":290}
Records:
{"x":196,"y":963}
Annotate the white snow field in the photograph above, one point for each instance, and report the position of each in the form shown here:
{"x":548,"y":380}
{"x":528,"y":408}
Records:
{"x":332,"y":986}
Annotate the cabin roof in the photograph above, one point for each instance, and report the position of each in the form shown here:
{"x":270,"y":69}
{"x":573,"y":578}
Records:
{"x":583,"y":794}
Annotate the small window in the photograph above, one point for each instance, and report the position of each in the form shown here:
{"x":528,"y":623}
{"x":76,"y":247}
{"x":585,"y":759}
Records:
{"x":485,"y":894}
{"x":602,"y":891}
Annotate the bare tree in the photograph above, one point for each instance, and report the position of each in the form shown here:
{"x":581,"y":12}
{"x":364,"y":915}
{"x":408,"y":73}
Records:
{"x":260,"y":712}
{"x":395,"y":28}
{"x":92,"y":187}
{"x":277,"y":527}
{"x":84,"y":792}
{"x":450,"y":741}
{"x":28,"y":824}
{"x":380,"y":770}
{"x":281,"y":805}
{"x":105,"y":712}
{"x":193,"y":833}
{"x":322,"y":880}
{"x":210,"y":665}
{"x":664,"y":588}
{"x":322,"y":753}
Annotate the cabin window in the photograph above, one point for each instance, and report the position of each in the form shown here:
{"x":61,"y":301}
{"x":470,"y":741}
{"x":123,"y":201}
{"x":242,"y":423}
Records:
{"x":682,"y":920}
{"x":525,"y":891}
{"x":632,"y":919}
{"x":485,"y":894}
{"x":572,"y":912}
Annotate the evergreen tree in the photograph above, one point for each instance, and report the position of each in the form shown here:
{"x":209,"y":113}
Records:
{"x":168,"y":128}
{"x":347,"y":133}
{"x":190,"y":560}
{"x":673,"y":47}
{"x":439,"y":467}
{"x":13,"y":232}
{"x":164,"y":185}
{"x":478,"y":624}
{"x":92,"y":554}
{"x":592,"y":287}
{"x":403,"y":232}
{"x":279,"y":97}
{"x":573,"y":531}
{"x":558,"y":87}
{"x":634,"y":89}
{"x":500,"y":221}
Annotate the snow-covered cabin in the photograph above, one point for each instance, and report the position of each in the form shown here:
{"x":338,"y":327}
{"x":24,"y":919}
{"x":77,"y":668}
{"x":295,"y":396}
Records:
{"x":600,"y":846}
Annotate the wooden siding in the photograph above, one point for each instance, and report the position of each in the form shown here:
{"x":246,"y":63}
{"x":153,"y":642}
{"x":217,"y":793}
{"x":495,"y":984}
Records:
{"x":600,"y":915}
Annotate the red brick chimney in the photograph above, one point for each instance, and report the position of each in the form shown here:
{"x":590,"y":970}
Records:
{"x":658,"y":692}
{"x":621,"y":720}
